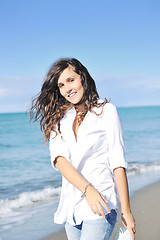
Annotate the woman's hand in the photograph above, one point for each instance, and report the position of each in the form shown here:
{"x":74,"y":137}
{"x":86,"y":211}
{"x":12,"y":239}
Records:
{"x":129,"y":223}
{"x":95,"y":201}
{"x":122,"y":186}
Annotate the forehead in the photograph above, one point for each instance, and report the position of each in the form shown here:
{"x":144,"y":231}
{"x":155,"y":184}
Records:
{"x":66,"y":74}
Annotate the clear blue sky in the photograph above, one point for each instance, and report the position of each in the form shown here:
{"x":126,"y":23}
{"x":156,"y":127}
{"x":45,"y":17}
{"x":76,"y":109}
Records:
{"x":117,"y":40}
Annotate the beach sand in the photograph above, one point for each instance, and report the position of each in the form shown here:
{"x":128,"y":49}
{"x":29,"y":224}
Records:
{"x":146,"y":210}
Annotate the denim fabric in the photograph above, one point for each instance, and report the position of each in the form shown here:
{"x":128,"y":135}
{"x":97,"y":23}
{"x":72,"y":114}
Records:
{"x":99,"y":229}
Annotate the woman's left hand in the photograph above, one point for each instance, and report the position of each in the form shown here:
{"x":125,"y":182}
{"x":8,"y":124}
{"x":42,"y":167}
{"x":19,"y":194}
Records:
{"x":129,"y":223}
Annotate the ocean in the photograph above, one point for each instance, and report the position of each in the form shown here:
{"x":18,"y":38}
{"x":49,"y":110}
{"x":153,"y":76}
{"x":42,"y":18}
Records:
{"x":30,"y":187}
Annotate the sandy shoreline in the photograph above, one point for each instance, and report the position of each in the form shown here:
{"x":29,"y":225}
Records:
{"x":146,"y":210}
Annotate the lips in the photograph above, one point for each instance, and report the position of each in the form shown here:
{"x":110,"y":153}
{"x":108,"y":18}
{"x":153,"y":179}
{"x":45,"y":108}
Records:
{"x":72,"y":94}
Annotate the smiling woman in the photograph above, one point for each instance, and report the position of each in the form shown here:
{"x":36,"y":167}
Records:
{"x":53,"y":101}
{"x":70,"y":86}
{"x":86,"y":146}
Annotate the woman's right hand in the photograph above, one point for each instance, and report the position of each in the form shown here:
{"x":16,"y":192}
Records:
{"x":95,"y":201}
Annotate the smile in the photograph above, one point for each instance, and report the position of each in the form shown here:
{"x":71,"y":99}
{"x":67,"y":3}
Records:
{"x":71,"y":94}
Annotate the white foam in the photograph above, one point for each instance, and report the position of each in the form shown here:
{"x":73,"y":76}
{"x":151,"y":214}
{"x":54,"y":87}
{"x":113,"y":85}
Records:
{"x":136,"y":168}
{"x":27,"y":199}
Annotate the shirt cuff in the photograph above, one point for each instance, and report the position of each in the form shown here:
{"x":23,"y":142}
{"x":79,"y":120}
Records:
{"x":57,"y":148}
{"x":117,"y":159}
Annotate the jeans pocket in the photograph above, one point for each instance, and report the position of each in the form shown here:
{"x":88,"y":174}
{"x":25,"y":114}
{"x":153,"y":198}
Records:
{"x":112,"y":217}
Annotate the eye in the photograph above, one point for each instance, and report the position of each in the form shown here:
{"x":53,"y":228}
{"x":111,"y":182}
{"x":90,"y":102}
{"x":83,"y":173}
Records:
{"x":71,"y":79}
{"x":60,"y":85}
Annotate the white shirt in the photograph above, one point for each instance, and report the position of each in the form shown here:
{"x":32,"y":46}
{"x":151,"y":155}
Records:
{"x":99,"y":149}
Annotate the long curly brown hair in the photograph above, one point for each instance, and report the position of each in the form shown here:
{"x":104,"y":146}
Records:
{"x":50,"y":106}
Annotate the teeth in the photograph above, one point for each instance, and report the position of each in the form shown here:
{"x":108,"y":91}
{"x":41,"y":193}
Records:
{"x":70,"y":95}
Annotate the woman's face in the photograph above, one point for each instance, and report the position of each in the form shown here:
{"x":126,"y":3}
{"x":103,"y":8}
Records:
{"x":70,"y":86}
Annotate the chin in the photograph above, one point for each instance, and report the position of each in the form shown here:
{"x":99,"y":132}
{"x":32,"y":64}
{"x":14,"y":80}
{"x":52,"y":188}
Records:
{"x":75,"y":102}
{"x":78,"y":102}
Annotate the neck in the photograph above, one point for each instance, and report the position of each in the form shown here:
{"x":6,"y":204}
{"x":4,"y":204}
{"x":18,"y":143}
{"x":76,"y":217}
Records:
{"x":80,"y":108}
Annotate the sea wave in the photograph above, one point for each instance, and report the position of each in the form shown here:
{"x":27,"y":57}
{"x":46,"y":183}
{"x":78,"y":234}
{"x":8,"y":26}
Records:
{"x":27,"y":199}
{"x":136,"y":168}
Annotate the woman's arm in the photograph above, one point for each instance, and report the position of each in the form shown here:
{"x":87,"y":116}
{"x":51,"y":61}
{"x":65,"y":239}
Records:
{"x":93,"y":197}
{"x":122,"y":186}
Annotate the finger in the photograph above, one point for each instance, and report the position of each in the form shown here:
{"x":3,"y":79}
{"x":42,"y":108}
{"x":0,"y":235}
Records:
{"x":100,"y":210}
{"x":97,"y":209}
{"x":94,"y":210}
{"x":132,"y":235}
{"x":134,"y":230}
{"x":105,"y":206}
{"x":104,"y":203}
{"x":104,"y":199}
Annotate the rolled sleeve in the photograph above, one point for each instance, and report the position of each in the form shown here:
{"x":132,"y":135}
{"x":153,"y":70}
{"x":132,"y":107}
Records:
{"x":115,"y":138}
{"x":57,"y":148}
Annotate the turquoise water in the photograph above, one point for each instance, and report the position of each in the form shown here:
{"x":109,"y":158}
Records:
{"x":30,"y":188}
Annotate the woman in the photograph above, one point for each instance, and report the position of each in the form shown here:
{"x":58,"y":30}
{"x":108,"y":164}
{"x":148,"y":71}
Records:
{"x":86,"y":146}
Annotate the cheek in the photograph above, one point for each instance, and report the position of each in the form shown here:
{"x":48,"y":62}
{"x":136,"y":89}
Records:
{"x":80,"y":87}
{"x":62,"y":92}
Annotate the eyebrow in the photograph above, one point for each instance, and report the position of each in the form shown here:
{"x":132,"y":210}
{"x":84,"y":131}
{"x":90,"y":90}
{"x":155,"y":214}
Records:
{"x":66,"y":80}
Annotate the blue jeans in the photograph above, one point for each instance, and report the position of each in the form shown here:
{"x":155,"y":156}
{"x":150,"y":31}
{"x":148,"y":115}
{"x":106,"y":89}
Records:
{"x":99,"y":229}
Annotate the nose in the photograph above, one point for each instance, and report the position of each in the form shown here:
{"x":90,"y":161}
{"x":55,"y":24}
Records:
{"x":68,"y":88}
